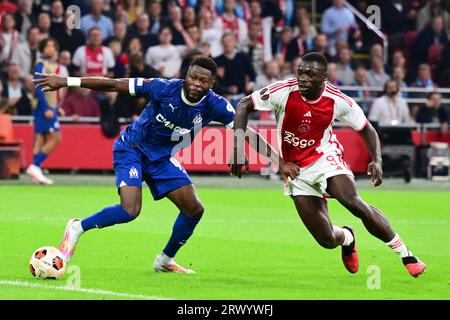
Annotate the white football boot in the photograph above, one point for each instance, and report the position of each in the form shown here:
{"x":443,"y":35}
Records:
{"x":164,"y":263}
{"x":71,"y":236}
{"x":37,"y":176}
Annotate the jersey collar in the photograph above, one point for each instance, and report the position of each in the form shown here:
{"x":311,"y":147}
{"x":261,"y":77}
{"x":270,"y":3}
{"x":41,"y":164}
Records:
{"x":186,"y":101}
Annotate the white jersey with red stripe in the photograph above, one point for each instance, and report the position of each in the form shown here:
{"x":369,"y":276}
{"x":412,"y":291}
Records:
{"x":305,"y":127}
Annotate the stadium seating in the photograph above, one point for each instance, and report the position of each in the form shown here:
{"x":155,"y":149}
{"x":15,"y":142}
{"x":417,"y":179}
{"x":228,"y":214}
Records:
{"x":10,"y":150}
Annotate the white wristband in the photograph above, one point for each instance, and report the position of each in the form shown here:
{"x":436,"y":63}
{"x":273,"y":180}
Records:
{"x":73,"y":82}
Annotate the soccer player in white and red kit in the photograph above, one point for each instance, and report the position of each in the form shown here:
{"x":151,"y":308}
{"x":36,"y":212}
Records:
{"x":311,"y":158}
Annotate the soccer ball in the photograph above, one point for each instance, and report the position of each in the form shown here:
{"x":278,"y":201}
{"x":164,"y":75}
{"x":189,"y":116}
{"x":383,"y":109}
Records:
{"x":47,"y":263}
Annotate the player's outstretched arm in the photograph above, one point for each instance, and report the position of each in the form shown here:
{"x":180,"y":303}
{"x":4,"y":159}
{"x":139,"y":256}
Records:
{"x":52,"y":82}
{"x":374,"y":169}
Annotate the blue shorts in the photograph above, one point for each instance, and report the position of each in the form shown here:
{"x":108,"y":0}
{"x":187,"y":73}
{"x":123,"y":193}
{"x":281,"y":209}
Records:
{"x":44,"y":125}
{"x":132,"y":167}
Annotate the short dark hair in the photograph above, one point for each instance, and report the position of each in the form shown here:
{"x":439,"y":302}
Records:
{"x":44,"y":42}
{"x":207,"y":63}
{"x":316,"y":57}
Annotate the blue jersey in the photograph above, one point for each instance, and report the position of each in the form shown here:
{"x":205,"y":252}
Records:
{"x":169,"y":120}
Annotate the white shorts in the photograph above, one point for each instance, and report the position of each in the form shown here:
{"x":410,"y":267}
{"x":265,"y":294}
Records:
{"x":312,"y":180}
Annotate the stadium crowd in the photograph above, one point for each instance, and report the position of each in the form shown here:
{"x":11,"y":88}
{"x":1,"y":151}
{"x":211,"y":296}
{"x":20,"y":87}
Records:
{"x":254,"y":43}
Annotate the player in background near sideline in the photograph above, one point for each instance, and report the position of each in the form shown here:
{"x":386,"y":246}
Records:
{"x":46,"y":124}
{"x":143,"y":152}
{"x":311,"y":158}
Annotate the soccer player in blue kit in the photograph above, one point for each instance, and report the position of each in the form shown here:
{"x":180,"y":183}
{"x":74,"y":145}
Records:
{"x":143,"y":151}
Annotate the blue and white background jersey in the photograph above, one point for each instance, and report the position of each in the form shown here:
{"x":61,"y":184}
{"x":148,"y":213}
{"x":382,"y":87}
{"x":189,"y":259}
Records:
{"x":169,"y":118}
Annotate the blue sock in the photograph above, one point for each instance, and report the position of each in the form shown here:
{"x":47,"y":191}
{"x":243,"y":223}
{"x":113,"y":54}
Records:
{"x":106,"y":217}
{"x":38,"y":158}
{"x":182,"y":229}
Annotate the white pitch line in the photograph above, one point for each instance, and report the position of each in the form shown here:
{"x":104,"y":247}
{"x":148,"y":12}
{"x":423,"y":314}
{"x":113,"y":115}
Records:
{"x":26,"y":284}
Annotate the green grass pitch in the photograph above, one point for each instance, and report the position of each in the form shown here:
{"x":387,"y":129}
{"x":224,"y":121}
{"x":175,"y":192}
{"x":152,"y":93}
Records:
{"x":249,"y":245}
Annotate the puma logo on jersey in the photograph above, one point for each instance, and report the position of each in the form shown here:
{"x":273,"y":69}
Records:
{"x":160,"y":118}
{"x":308,"y":114}
{"x":290,"y":138}
{"x":172,"y":106}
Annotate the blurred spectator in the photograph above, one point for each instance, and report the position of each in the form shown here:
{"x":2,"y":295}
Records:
{"x":24,"y":18}
{"x":423,"y":81}
{"x":121,"y":15}
{"x":399,"y":76}
{"x":141,"y":31}
{"x":253,"y":46}
{"x":242,"y":9}
{"x":255,"y":8}
{"x":395,"y":16}
{"x":205,"y":48}
{"x":398,"y":60}
{"x":120,"y":33}
{"x":65,"y":59}
{"x":364,"y":95}
{"x":424,"y":77}
{"x":120,"y":62}
{"x":433,"y":34}
{"x":28,"y":101}
{"x":344,"y":70}
{"x":303,"y":42}
{"x":156,"y":20}
{"x":235,"y":73}
{"x":280,"y":45}
{"x":434,"y":112}
{"x":336,"y":23}
{"x":12,"y":87}
{"x":304,"y":27}
{"x":57,"y":18}
{"x":134,"y":8}
{"x":194,"y":33}
{"x":210,"y":33}
{"x":166,"y":57}
{"x":332,"y":75}
{"x":25,"y":54}
{"x":433,"y":8}
{"x":9,"y":38}
{"x":272,"y":73}
{"x":96,"y":19}
{"x":189,"y":17}
{"x":44,"y":24}
{"x":178,"y":31}
{"x":134,"y":46}
{"x":229,"y":22}
{"x":377,"y":77}
{"x":94,"y":59}
{"x":321,"y":46}
{"x":40,"y":6}
{"x":377,"y":51}
{"x":80,"y":104}
{"x":390,"y":108}
{"x":70,"y":39}
{"x":138,"y":69}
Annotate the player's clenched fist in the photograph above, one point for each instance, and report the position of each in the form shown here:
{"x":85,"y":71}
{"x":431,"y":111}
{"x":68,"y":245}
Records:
{"x":375,"y":172}
{"x":288,"y":170}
